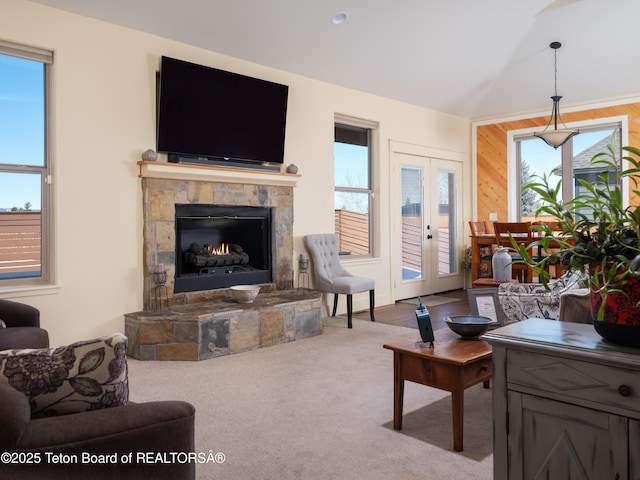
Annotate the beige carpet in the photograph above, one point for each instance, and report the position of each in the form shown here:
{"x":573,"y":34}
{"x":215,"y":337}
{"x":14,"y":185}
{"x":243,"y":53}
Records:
{"x":321,"y":408}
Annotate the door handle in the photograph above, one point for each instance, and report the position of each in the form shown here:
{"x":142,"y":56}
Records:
{"x":429,"y":237}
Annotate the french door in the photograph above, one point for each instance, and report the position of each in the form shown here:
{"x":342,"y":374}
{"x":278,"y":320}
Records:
{"x":427,"y":225}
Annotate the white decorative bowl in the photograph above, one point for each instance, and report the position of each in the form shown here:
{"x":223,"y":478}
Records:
{"x":245,"y":293}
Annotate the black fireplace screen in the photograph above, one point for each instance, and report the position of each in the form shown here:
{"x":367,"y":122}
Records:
{"x":218,"y":246}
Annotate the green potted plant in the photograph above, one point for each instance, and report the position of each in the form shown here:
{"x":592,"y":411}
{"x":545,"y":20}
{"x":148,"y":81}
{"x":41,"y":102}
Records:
{"x":597,"y":235}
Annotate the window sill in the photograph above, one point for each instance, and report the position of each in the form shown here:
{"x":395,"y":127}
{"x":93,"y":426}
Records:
{"x":346,"y":259}
{"x":18,"y":291}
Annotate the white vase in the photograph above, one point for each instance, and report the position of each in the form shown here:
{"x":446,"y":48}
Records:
{"x":501,"y":265}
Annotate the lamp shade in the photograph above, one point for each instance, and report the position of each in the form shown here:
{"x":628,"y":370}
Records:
{"x":556,"y":138}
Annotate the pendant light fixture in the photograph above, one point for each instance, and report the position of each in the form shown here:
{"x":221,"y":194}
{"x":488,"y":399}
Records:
{"x":555,"y":137}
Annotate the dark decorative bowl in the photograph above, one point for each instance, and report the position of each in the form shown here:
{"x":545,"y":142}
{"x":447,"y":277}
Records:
{"x":468,"y":326}
{"x":625,"y":335}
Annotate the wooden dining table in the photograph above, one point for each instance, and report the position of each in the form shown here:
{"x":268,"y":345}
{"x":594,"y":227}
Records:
{"x":478,"y":242}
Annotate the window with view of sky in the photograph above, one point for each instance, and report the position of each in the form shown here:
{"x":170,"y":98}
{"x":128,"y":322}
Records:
{"x":24,"y":166}
{"x":538,"y":159}
{"x":22,"y":131}
{"x":352,"y":200}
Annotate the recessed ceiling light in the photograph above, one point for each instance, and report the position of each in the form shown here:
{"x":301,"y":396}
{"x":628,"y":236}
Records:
{"x":339,"y":18}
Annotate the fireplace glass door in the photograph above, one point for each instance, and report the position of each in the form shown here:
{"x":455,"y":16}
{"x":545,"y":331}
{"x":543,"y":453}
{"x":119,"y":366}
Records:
{"x":221,"y":246}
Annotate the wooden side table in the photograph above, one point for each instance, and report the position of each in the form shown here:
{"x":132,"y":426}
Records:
{"x":453,"y":364}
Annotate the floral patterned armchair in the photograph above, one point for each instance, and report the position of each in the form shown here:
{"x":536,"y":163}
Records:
{"x":520,"y":301}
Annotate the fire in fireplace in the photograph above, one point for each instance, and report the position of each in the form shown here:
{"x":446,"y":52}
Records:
{"x":205,"y":256}
{"x":218,"y":246}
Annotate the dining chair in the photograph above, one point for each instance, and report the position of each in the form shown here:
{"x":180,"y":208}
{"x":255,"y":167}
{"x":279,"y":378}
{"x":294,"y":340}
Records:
{"x":479,"y":228}
{"x":331,"y":277}
{"x":559,"y":268}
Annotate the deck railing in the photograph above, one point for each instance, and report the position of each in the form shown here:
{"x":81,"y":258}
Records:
{"x":20,"y":243}
{"x":353,"y":228}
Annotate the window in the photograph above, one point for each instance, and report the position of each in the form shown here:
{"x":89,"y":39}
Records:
{"x":24,"y":165}
{"x":353,"y":191}
{"x":535,"y":159}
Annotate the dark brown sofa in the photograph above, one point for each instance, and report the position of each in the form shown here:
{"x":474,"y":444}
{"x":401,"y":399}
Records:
{"x":23,"y":326}
{"x":114,"y":435}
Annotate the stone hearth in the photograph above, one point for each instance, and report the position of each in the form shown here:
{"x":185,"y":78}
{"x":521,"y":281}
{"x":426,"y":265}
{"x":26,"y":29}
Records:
{"x":204,"y":330}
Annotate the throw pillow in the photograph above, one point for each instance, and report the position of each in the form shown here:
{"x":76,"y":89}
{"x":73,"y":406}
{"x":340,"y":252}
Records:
{"x":2,"y":324}
{"x":86,"y":375}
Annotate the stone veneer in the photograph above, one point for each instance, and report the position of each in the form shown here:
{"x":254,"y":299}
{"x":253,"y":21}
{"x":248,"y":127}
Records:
{"x":159,"y":199}
{"x":204,"y":330}
{"x":207,"y":324}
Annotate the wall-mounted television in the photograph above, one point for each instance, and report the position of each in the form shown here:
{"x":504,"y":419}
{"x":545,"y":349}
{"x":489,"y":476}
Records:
{"x":207,"y":115}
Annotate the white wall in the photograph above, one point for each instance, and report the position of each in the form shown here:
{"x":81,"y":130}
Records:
{"x":104,"y":117}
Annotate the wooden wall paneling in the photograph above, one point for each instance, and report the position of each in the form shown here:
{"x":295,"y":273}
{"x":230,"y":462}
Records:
{"x":491,"y":152}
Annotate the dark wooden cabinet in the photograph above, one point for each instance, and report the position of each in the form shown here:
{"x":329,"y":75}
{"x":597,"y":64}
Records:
{"x":566,"y":403}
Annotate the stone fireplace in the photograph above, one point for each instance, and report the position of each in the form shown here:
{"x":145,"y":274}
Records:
{"x":210,"y":228}
{"x":197,"y":206}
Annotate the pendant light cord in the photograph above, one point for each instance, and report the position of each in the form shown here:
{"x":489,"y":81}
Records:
{"x":555,"y":71}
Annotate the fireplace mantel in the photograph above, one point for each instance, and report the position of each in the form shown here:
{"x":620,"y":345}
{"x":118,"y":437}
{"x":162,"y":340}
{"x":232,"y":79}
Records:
{"x":203,"y":173}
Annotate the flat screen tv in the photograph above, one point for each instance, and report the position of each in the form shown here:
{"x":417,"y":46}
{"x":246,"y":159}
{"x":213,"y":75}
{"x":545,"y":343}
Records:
{"x":210,"y":115}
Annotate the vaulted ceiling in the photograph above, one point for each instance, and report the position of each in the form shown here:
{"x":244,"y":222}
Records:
{"x":472,"y":58}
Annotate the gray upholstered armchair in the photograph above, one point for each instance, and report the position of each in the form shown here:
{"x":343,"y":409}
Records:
{"x":331,"y":277}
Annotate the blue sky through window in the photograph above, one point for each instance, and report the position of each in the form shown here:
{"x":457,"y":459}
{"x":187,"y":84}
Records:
{"x":22,"y":129}
{"x":351,"y":165}
{"x":542,"y":158}
{"x":351,"y":169}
